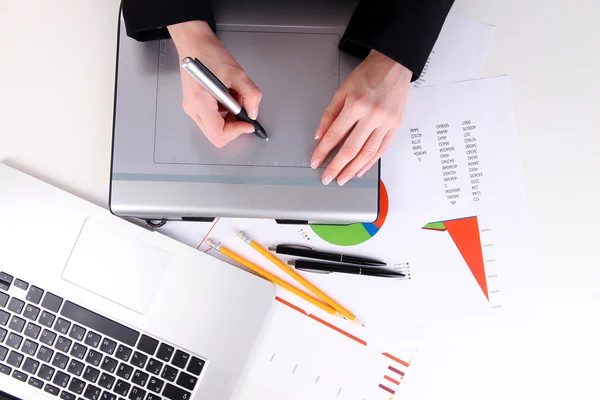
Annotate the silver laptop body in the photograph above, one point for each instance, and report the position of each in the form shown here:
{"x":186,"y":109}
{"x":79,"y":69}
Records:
{"x":90,"y":303}
{"x":164,"y":168}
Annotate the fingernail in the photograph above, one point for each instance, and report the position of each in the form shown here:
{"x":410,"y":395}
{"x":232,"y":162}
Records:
{"x":327,"y":180}
{"x":317,"y":137}
{"x":342,"y":180}
{"x":314,"y":164}
{"x":360,"y":173}
{"x":254,"y":113}
{"x":249,"y":130}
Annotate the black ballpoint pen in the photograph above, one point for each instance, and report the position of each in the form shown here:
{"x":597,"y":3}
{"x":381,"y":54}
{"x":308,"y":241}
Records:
{"x":327,"y":268}
{"x":307,"y":252}
{"x":219,"y":91}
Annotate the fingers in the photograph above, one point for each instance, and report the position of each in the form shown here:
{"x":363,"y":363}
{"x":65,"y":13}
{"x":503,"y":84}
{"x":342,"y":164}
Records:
{"x":385,"y":143}
{"x":205,"y":112}
{"x":368,"y":152}
{"x":338,"y":130}
{"x":349,"y":151}
{"x":330,"y":114}
{"x":248,"y":92}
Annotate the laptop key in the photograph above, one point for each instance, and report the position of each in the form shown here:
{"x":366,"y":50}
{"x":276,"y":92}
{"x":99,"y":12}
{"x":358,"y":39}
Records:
{"x":15,"y":359}
{"x":20,"y":376}
{"x":174,"y":393}
{"x":108,"y":396}
{"x":61,"y":379}
{"x":78,"y":351}
{"x":14,"y":340}
{"x":31,"y":312}
{"x":60,"y":361}
{"x":187,"y":381}
{"x":3,"y":333}
{"x":15,"y":305}
{"x":123,"y":353}
{"x":4,"y":317}
{"x":3,"y":299}
{"x":34,"y":295}
{"x":29,"y":347}
{"x":122,"y":388}
{"x":109,"y":364}
{"x":124,"y":371}
{"x":108,"y":346}
{"x":195,"y":366}
{"x":3,"y":353}
{"x":139,"y":359}
{"x":5,"y":280}
{"x":180,"y":359}
{"x":75,"y":367}
{"x":62,"y":326}
{"x":63,"y":344}
{"x":155,"y":384}
{"x":77,"y":332}
{"x":106,"y":381}
{"x":21,"y":284}
{"x":92,"y":339}
{"x":53,"y":390}
{"x":52,"y":302}
{"x":32,"y":331}
{"x":165,"y":352}
{"x":45,"y":354}
{"x":91,"y":374}
{"x":36,"y":383}
{"x":140,"y":378}
{"x":17,"y":324}
{"x":94,"y":358}
{"x":46,"y":372}
{"x":99,"y":323}
{"x":47,"y":319}
{"x":152,"y":396}
{"x":5,"y":369}
{"x":76,"y":386}
{"x":147,"y":344}
{"x":137,"y":394}
{"x":30,"y":365}
{"x":154,"y":366}
{"x":48,"y":337}
{"x":92,"y":392}
{"x":169,"y":373}
{"x":64,"y":395}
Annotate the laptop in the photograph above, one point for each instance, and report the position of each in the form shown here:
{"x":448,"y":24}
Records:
{"x":94,"y":307}
{"x":163,"y":167}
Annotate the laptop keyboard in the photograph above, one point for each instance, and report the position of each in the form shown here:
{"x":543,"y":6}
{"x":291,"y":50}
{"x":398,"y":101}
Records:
{"x":70,"y":352}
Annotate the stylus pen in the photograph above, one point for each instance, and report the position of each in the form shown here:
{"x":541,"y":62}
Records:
{"x":219,"y":91}
{"x":327,"y":268}
{"x":307,"y":252}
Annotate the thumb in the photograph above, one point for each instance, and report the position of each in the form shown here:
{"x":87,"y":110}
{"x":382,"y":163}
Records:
{"x":249,"y":93}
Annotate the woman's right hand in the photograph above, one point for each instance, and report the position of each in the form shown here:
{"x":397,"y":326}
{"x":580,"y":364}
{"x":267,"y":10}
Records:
{"x":195,"y":39}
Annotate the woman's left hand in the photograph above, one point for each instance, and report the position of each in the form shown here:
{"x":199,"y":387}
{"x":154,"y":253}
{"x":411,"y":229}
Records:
{"x":365,"y":112}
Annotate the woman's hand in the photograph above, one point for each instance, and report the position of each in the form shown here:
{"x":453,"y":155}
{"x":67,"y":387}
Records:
{"x":195,"y":39}
{"x":365,"y":112}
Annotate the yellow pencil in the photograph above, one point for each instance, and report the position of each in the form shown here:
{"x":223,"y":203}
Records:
{"x":319,"y":293}
{"x":272,"y":278}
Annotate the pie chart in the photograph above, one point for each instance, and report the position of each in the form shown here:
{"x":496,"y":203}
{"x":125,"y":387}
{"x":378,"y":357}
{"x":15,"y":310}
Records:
{"x":351,"y":235}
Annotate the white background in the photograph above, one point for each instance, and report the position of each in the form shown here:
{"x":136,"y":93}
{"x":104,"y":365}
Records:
{"x":56,"y":93}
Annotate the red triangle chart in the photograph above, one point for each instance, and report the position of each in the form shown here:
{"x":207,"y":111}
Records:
{"x":465,"y":234}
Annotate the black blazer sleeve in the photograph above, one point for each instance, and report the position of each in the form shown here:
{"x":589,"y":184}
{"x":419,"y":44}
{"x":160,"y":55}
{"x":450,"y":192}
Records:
{"x":148,"y":19}
{"x":404,"y":30}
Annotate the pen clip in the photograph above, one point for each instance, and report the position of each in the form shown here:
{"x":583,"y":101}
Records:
{"x":296,"y":246}
{"x":211,"y":75}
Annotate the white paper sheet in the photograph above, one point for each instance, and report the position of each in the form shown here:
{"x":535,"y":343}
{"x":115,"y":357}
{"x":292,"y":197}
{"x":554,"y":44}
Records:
{"x":459,"y":52}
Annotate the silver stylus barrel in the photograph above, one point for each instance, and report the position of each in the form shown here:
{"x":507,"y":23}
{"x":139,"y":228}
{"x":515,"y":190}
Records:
{"x":221,"y":95}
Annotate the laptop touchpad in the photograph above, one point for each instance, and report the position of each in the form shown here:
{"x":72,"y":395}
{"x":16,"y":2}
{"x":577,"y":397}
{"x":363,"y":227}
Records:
{"x":116,"y":266}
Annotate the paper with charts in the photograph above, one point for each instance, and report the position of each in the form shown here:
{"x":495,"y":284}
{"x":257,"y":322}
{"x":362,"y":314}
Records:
{"x":453,"y":218}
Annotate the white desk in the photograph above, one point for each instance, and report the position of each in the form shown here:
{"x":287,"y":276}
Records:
{"x":56,"y":96}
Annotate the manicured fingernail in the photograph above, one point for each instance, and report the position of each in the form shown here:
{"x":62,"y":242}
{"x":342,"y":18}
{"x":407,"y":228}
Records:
{"x":314,"y":164}
{"x":250,"y":130}
{"x":317,"y":137}
{"x":327,"y":180}
{"x":342,"y":180}
{"x":254,"y":113}
{"x":360,"y":173}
